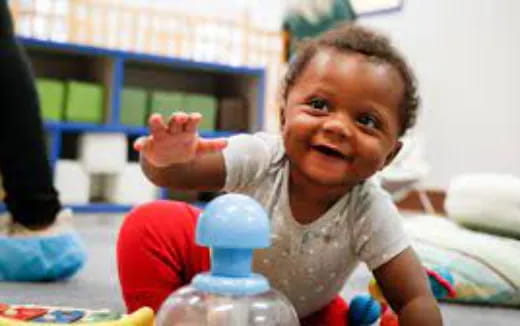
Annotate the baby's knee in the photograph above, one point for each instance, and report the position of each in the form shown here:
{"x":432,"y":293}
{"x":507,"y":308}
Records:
{"x":158,"y":215}
{"x":155,"y":211}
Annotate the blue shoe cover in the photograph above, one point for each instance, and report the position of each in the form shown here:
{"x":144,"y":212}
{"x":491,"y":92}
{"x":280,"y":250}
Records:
{"x":41,"y":258}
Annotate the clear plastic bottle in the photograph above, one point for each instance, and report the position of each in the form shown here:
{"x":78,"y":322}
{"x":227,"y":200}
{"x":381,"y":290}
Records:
{"x":230,"y":294}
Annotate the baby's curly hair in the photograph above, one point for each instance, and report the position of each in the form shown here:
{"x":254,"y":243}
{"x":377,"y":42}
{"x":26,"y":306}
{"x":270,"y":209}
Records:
{"x":354,"y":38}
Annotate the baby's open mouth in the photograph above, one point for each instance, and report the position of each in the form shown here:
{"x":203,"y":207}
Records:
{"x":330,"y":151}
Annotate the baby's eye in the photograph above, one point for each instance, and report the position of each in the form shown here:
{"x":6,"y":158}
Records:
{"x":369,"y":121}
{"x":319,"y":104}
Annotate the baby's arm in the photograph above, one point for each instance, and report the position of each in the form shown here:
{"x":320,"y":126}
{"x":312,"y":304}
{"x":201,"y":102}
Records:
{"x":404,"y":284}
{"x":174,"y":156}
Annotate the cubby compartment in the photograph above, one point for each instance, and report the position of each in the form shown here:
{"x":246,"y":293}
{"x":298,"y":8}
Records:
{"x":70,"y":146}
{"x":133,"y":155}
{"x":68,"y":65}
{"x":72,"y":86}
{"x":228,"y":99}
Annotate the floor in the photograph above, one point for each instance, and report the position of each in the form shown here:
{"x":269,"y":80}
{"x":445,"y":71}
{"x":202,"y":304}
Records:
{"x":96,"y":286}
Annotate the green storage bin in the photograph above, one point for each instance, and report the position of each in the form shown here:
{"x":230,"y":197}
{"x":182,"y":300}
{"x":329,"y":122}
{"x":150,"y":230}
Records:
{"x":205,"y":105}
{"x":134,"y":105}
{"x":166,"y":103}
{"x":52,"y":97}
{"x":84,"y":102}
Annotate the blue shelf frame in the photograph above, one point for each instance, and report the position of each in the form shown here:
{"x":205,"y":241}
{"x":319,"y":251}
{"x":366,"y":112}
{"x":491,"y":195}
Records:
{"x":90,"y":208}
{"x":101,"y":208}
{"x":109,"y":128}
{"x":119,"y":59}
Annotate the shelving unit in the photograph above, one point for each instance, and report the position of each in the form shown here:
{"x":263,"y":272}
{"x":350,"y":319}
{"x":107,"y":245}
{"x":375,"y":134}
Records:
{"x":116,"y":69}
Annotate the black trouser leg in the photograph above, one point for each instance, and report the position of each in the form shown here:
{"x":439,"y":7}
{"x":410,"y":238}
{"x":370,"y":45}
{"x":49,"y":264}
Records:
{"x":31,"y":197}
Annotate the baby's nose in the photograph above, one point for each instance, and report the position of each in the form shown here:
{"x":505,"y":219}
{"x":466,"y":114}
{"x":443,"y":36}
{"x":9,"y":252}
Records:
{"x":338,"y":127}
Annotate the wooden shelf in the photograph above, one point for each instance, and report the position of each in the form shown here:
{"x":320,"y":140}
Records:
{"x":115,"y":69}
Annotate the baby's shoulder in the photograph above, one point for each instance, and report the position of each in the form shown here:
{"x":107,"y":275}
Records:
{"x":274,"y":143}
{"x":262,"y":144}
{"x":368,"y":199}
{"x":274,"y":147}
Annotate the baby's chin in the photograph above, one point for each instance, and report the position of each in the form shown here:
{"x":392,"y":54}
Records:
{"x":343,"y":183}
{"x":331,"y":178}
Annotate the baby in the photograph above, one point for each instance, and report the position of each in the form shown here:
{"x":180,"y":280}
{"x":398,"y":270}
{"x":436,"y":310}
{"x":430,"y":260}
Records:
{"x":348,"y":96}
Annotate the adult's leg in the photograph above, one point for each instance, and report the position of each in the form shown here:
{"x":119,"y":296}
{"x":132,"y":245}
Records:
{"x":157,"y":254}
{"x":30,"y":195}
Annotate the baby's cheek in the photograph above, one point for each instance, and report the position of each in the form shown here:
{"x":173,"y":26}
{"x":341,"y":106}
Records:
{"x":372,"y":161}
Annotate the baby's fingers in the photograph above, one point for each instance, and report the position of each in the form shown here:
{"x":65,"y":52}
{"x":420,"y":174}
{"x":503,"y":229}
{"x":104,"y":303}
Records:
{"x":140,"y":142}
{"x":211,"y":145}
{"x":176,"y":122}
{"x":157,"y":126}
{"x":193,"y":122}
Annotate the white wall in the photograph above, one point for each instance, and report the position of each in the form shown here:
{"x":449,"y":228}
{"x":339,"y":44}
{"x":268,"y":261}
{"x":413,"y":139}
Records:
{"x":467,"y":57}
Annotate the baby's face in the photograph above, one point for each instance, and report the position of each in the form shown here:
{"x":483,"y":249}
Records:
{"x":342,"y":118}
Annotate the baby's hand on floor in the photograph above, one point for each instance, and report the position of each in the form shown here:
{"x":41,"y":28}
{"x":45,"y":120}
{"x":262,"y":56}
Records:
{"x":176,"y":140}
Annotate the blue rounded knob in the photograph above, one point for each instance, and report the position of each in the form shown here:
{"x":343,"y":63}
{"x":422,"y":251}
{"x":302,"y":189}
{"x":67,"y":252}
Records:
{"x":233,"y":221}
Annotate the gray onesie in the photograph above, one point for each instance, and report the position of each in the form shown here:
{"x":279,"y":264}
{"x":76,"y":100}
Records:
{"x":310,"y":263}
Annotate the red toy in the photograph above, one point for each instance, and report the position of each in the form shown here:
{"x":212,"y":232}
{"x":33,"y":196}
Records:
{"x":389,"y":318}
{"x":23,"y":313}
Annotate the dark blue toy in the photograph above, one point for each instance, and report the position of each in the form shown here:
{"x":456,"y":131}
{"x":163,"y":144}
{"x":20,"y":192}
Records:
{"x":364,"y":310}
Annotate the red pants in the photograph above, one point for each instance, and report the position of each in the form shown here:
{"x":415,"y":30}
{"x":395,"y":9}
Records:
{"x":157,"y":254}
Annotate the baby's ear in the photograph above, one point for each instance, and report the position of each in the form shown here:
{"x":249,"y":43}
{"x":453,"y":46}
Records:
{"x":393,"y":153}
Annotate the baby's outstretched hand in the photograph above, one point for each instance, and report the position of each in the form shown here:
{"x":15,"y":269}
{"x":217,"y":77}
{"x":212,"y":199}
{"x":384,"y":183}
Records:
{"x":176,"y":140}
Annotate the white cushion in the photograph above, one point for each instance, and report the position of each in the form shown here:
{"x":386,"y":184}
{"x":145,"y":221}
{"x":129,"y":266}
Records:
{"x":488,"y":202}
